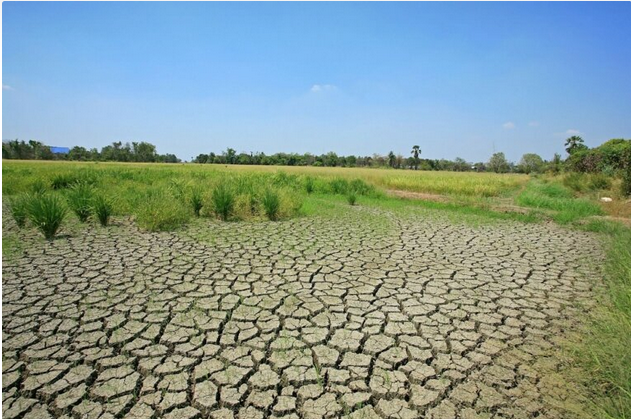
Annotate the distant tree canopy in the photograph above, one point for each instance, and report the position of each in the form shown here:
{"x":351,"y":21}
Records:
{"x":612,"y":157}
{"x":117,"y":151}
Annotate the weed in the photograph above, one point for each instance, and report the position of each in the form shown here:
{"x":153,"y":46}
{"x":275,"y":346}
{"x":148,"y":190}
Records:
{"x":271,"y":204}
{"x":63,"y":180}
{"x":80,"y":200}
{"x":338,"y":186}
{"x":102,"y":208}
{"x":599,"y":181}
{"x":19,"y":209}
{"x":39,"y":186}
{"x":47,"y":213}
{"x":222,"y":201}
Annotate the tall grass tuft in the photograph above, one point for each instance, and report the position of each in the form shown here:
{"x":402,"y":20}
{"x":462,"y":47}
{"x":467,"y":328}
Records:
{"x":309,"y":184}
{"x":47,"y":213}
{"x":222,"y":199}
{"x":271,"y":204}
{"x":19,"y":209}
{"x":351,"y":197}
{"x":196,"y":201}
{"x":102,"y":208}
{"x":155,"y":213}
{"x":80,"y":200}
{"x":39,"y":186}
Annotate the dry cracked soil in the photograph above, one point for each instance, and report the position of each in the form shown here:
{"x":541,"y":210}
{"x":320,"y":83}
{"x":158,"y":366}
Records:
{"x":371,"y":314}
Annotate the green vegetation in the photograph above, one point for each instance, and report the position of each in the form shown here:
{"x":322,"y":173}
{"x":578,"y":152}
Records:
{"x":102,"y":208}
{"x":351,"y":197}
{"x":46,"y":212}
{"x":222,"y":199}
{"x":80,"y":197}
{"x":19,"y":208}
{"x":271,"y":204}
{"x":196,"y":200}
{"x":555,"y":197}
{"x":602,"y":352}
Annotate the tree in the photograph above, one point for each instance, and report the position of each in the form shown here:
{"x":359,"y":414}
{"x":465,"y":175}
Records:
{"x":416,"y":152}
{"x":573,"y":144}
{"x":461,"y":165}
{"x":531,"y":163}
{"x":498,"y":163}
{"x":392,"y":159}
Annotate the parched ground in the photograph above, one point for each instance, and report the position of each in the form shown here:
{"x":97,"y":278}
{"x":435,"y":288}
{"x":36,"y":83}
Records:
{"x":368,"y":315}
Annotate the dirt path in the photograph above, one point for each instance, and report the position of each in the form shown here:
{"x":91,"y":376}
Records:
{"x":369,"y":315}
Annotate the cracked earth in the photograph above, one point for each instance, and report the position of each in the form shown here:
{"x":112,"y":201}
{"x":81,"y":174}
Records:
{"x":369,"y":315}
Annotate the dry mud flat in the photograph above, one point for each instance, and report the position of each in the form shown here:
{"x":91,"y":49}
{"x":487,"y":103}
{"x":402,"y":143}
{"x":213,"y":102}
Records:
{"x":370,"y":315}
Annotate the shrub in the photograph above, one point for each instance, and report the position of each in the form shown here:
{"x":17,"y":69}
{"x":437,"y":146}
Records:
{"x":19,"y":209}
{"x":196,"y":200}
{"x":599,"y":182}
{"x":80,"y":200}
{"x":625,"y":187}
{"x":575,"y":181}
{"x":222,"y":199}
{"x":102,"y":208}
{"x":159,"y":214}
{"x":309,"y":184}
{"x":351,"y":197}
{"x":271,"y":204}
{"x":47,"y":212}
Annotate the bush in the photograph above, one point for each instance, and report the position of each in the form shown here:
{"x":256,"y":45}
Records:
{"x":575,"y":181}
{"x":102,"y":208}
{"x":625,"y":187}
{"x":159,"y":214}
{"x":19,"y":209}
{"x":196,"y":200}
{"x":47,"y":212}
{"x":599,"y":182}
{"x":222,"y":199}
{"x":80,"y":200}
{"x":271,"y":204}
{"x":351,"y":197}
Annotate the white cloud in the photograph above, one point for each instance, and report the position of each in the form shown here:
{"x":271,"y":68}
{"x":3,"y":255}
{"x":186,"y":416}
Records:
{"x":6,"y":87}
{"x":573,"y":132}
{"x":322,"y":88}
{"x":533,"y":124}
{"x":508,"y":125}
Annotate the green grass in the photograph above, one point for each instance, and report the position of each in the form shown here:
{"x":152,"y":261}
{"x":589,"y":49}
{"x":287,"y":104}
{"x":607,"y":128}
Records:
{"x":19,"y":208}
{"x":559,"y":200}
{"x":102,"y":208}
{"x":271,"y":204}
{"x":80,"y":197}
{"x":603,"y":354}
{"x":47,"y":212}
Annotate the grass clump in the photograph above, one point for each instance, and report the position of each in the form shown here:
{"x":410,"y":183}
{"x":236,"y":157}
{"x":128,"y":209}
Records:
{"x":351,"y":197}
{"x":80,"y":197}
{"x":222,"y":199}
{"x":19,"y":209}
{"x":102,"y":208}
{"x":47,"y":213}
{"x":271,"y":204}
{"x":309,"y":184}
{"x":196,"y":201}
{"x":157,"y":213}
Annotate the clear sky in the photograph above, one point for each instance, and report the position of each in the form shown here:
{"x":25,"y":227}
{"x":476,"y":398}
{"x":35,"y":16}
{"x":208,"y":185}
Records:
{"x":458,"y":79}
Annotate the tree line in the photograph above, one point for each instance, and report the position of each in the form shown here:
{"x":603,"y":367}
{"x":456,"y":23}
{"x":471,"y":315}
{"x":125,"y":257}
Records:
{"x":612,"y":157}
{"x":129,"y":152}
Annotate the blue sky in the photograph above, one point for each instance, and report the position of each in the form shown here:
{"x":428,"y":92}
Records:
{"x":458,"y":79}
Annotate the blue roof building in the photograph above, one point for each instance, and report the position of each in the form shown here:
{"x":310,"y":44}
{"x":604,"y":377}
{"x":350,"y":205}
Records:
{"x":60,"y":150}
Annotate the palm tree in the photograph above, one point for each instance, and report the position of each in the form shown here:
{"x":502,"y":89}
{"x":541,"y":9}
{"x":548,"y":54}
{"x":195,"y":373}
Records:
{"x":391,"y":159}
{"x":574,"y":143}
{"x":416,"y":151}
